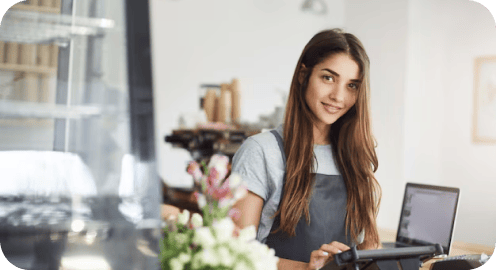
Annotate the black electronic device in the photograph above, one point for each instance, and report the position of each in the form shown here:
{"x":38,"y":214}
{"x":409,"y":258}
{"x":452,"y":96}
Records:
{"x":461,"y":262}
{"x":428,"y":216}
{"x":408,"y":258}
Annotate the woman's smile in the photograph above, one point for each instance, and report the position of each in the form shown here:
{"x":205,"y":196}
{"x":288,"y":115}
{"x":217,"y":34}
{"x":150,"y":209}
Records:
{"x":330,"y":108}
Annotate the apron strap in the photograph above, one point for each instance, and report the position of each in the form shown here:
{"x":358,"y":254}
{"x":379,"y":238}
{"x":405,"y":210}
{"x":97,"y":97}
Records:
{"x":276,"y":223}
{"x":281,"y":145}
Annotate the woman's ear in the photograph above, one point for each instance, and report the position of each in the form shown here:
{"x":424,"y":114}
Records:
{"x":303,"y":73}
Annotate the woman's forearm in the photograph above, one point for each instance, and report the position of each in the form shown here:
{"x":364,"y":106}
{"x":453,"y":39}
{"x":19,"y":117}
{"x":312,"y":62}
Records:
{"x":285,"y":264}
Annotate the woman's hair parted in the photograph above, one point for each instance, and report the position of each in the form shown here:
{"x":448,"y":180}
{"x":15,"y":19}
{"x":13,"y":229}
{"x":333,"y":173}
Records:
{"x":351,"y":137}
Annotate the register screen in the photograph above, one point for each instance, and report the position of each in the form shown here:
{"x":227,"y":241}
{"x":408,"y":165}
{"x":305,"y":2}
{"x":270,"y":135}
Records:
{"x":428,"y":215}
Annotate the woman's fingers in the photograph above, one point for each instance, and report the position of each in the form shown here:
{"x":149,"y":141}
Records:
{"x":334,"y":248}
{"x":340,"y":245}
{"x":318,"y":259}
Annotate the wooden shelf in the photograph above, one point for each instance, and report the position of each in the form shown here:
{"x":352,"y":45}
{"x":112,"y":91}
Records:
{"x":36,"y":8}
{"x":27,"y":68}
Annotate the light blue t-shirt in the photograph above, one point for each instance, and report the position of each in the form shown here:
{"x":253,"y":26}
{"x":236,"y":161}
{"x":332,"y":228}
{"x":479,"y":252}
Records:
{"x":259,"y":163}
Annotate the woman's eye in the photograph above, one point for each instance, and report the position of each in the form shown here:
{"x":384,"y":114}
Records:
{"x":328,"y":78}
{"x":353,"y":86}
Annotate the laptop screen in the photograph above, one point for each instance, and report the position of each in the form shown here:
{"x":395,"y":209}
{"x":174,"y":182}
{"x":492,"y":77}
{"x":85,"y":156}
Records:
{"x":428,"y":215}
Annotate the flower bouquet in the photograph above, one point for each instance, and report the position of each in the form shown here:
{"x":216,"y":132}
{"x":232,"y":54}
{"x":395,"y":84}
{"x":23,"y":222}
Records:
{"x":213,"y":241}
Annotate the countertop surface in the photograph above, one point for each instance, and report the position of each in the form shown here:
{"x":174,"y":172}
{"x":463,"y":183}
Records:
{"x":457,"y":247}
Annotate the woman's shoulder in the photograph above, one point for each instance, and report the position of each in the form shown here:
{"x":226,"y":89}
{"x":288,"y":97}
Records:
{"x":263,"y":146}
{"x":259,"y":163}
{"x":264,"y":140}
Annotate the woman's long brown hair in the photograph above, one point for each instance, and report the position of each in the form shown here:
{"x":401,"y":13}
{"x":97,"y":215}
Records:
{"x":351,"y":138}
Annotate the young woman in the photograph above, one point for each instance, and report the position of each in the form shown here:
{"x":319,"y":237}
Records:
{"x":312,"y":190}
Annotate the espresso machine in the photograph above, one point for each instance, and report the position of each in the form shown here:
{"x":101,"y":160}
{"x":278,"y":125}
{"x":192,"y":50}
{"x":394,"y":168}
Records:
{"x":80,"y":189}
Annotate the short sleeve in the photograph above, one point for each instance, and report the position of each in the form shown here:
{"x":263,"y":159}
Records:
{"x":249,"y":163}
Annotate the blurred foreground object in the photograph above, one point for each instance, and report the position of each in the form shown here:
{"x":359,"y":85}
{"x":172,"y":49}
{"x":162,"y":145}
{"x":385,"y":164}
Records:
{"x":213,"y":241}
{"x":77,"y":136}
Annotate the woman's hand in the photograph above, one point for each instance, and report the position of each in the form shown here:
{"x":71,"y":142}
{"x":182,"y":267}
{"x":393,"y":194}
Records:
{"x":320,"y":257}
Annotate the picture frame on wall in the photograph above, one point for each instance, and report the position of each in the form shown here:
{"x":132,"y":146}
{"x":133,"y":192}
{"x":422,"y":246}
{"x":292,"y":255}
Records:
{"x":484,"y":121}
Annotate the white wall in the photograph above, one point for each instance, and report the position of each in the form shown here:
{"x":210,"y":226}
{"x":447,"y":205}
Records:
{"x":385,"y":43}
{"x":257,"y":41}
{"x":422,"y":103}
{"x":445,"y":38}
{"x":471,"y":33}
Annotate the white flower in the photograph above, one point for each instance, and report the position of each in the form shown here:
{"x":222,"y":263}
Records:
{"x":221,"y":170}
{"x":224,"y":203}
{"x":234,"y":245}
{"x":202,"y":201}
{"x":258,"y":254}
{"x":220,"y":163}
{"x":204,"y":237}
{"x":242,"y":266}
{"x":218,"y":160}
{"x":196,"y":261}
{"x":196,"y":220}
{"x":272,"y":252}
{"x":183,"y":217}
{"x":176,"y":264}
{"x":247,"y":234}
{"x":209,"y":258}
{"x":184,"y":258}
{"x":253,"y":251}
{"x":240,"y":193}
{"x":234,"y":181}
{"x":225,"y":257}
{"x":223,"y":229}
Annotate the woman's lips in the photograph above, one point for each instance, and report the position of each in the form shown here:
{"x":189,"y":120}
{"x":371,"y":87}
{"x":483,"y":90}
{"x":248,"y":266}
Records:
{"x":331,"y":109}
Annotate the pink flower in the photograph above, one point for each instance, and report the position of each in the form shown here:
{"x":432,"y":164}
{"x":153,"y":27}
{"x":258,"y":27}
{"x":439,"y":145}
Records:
{"x":216,"y":175}
{"x":194,"y":170}
{"x":218,"y":163}
{"x":196,"y":194}
{"x":221,"y":192}
{"x":214,"y":178}
{"x":234,"y":213}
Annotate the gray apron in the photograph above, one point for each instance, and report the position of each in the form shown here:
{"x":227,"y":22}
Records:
{"x":327,"y":218}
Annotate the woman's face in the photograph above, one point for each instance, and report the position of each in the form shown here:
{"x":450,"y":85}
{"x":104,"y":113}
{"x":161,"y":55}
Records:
{"x":332,"y":88}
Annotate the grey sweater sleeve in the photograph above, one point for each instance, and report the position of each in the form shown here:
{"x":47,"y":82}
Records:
{"x":249,"y":163}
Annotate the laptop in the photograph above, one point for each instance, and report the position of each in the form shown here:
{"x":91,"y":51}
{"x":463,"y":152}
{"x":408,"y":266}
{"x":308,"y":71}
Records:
{"x":427,"y":217}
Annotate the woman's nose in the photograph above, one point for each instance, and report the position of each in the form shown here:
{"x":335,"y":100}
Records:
{"x":338,"y":93}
